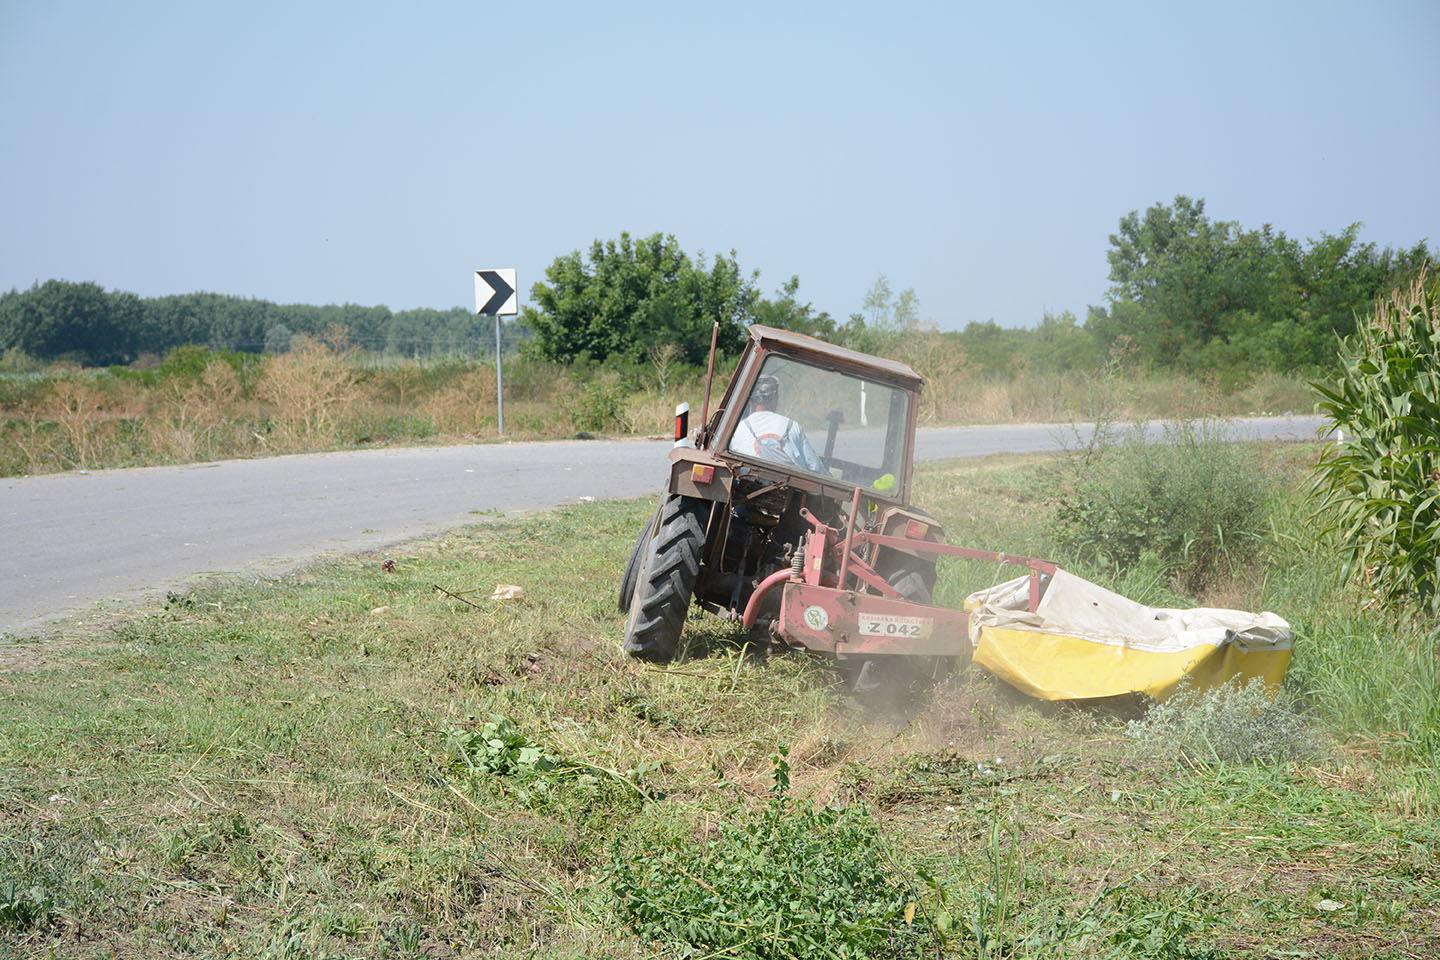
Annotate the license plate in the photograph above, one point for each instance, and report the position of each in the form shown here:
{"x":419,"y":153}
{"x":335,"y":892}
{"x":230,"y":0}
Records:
{"x":894,"y":625}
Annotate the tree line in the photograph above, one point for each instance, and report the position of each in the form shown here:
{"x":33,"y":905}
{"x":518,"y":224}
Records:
{"x":83,"y":323}
{"x":1186,"y":291}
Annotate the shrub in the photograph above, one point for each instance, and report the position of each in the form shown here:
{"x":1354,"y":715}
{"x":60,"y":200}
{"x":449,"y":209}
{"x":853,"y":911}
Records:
{"x":16,"y":360}
{"x":191,"y":363}
{"x":310,"y":388}
{"x":597,"y":406}
{"x":1193,"y":500}
{"x":1380,"y":485}
{"x":789,"y":880}
{"x":1233,"y":722}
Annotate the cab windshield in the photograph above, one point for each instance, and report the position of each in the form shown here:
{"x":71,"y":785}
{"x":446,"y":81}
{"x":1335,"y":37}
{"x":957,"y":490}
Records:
{"x":824,"y":422}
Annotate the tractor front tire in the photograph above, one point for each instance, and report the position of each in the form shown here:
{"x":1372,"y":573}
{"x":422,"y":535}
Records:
{"x":666,"y":578}
{"x":632,"y":566}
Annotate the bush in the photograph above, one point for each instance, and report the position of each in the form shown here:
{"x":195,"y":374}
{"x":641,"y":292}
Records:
{"x":597,"y":406}
{"x":1380,"y":485}
{"x":789,"y":880}
{"x":1193,"y":500}
{"x":310,"y":389}
{"x":1231,"y":723}
{"x":15,"y":360}
{"x":190,"y":363}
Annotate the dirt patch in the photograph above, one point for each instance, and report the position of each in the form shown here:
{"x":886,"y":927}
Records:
{"x":30,"y":654}
{"x":1340,"y":943}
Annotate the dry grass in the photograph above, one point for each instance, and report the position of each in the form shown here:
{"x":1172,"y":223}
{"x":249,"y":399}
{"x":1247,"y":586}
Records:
{"x":650,"y":412}
{"x":324,"y":395}
{"x":466,"y":407}
{"x":185,"y":415}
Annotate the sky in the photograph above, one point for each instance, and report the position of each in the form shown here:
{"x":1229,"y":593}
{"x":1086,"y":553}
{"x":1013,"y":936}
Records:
{"x":979,"y":153}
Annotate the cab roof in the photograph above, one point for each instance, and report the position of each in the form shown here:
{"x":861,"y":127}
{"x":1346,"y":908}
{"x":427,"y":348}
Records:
{"x":772,"y":337}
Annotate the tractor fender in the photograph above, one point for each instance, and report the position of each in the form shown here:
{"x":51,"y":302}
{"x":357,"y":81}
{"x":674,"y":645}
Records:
{"x":894,"y":522}
{"x":700,"y":474}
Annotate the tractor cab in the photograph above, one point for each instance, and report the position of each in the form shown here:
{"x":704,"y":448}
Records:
{"x":820,"y":417}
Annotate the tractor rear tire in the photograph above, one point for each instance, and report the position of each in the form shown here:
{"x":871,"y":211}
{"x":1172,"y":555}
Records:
{"x":632,"y":566}
{"x":666,"y":578}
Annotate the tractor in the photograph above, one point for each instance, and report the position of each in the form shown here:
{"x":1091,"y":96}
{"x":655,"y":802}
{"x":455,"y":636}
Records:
{"x":788,"y":510}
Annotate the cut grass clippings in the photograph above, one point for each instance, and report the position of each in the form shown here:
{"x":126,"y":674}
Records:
{"x":347,"y":763}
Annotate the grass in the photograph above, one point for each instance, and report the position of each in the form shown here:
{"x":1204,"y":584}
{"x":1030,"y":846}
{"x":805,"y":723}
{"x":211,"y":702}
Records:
{"x":309,"y":768}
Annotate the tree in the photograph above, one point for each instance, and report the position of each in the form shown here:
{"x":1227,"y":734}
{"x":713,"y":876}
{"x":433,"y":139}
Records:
{"x":882,"y":316}
{"x":83,"y":323}
{"x":633,"y":293}
{"x":64,"y":320}
{"x":278,"y":339}
{"x":1189,"y":290}
{"x":1183,"y":272}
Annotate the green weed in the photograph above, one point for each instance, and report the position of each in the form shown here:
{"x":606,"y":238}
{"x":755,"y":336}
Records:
{"x":789,"y":880}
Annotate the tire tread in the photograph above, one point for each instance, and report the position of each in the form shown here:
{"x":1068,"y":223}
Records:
{"x":666,"y":580}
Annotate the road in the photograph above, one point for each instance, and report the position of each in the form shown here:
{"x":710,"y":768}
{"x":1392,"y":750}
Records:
{"x":78,"y":542}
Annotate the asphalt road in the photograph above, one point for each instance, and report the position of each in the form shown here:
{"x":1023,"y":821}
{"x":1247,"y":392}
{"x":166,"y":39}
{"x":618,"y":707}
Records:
{"x":77,"y":542}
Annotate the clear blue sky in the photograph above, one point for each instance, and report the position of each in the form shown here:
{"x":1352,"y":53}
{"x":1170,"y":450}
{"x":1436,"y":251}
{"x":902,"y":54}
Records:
{"x":979,"y":153}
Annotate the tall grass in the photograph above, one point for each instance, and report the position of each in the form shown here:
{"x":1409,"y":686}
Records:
{"x":200,"y":404}
{"x":1365,"y":670}
{"x":958,"y":390}
{"x":1190,"y":499}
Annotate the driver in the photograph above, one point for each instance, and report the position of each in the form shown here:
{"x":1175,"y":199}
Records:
{"x":773,"y":436}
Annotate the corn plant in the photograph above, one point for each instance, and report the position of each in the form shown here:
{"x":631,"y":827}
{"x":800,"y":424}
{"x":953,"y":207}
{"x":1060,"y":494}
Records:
{"x":1379,"y":480}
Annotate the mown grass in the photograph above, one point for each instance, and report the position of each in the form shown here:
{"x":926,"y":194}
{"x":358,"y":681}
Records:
{"x":291,"y":769}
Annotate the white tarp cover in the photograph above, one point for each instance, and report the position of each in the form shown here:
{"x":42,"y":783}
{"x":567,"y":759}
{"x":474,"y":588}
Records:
{"x":1086,"y":642}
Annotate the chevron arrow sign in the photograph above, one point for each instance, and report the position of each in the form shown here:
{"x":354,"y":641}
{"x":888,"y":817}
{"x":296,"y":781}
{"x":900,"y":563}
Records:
{"x":495,"y":293}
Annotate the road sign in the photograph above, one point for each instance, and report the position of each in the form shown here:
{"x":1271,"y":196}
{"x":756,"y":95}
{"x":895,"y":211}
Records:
{"x":495,"y":293}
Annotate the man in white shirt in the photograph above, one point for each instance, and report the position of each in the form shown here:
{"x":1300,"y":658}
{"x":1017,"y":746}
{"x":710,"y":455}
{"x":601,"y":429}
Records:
{"x":773,"y":436}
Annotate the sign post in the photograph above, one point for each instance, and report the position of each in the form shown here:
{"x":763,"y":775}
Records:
{"x":495,"y":297}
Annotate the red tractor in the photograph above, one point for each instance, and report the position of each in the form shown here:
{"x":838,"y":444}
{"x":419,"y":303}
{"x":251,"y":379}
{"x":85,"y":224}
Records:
{"x":789,"y":511}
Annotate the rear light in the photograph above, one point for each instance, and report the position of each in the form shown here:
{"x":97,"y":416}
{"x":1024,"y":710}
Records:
{"x":701,"y":473}
{"x":916,"y":530}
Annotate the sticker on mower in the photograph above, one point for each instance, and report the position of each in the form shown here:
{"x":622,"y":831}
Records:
{"x":816,"y":618}
{"x":894,"y":625}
